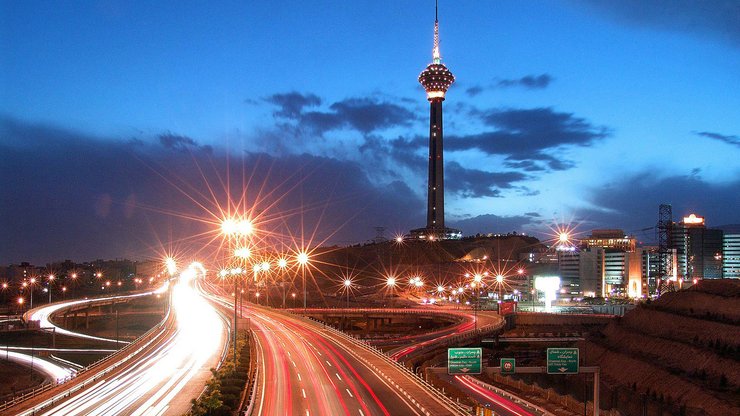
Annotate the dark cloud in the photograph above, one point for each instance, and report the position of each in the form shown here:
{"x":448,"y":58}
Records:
{"x":291,"y":104}
{"x":362,"y":114}
{"x":474,"y":90}
{"x":182,"y":143}
{"x":530,"y":137}
{"x":532,"y":82}
{"x":734,"y":140}
{"x":720,"y":19}
{"x":72,"y":195}
{"x":474,"y":183}
{"x":490,"y":223}
{"x":632,"y":202}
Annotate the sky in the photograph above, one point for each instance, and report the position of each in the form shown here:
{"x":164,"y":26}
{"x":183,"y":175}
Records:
{"x":128,"y":128}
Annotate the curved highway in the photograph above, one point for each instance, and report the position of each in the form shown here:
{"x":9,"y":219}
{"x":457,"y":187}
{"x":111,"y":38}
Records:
{"x":308,"y":369}
{"x":160,"y":378}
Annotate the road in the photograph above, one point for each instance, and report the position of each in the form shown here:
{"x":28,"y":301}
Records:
{"x":419,"y":342}
{"x":308,"y":369}
{"x":499,"y":404}
{"x":163,"y":377}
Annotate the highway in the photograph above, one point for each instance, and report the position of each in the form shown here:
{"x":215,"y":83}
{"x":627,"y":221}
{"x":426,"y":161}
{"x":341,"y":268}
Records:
{"x":307,"y":369}
{"x":162,"y":378}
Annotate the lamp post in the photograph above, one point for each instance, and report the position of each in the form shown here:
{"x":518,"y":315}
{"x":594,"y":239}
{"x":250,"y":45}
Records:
{"x":302,"y":259}
{"x":51,"y":282}
{"x":477,"y":279}
{"x":30,"y":287}
{"x":282,"y":264}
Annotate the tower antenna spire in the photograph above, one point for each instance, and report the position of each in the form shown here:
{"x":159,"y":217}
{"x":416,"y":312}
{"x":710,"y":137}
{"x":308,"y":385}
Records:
{"x":436,"y":56}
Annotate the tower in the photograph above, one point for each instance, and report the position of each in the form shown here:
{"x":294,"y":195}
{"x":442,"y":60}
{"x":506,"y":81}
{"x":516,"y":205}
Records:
{"x":436,"y":79}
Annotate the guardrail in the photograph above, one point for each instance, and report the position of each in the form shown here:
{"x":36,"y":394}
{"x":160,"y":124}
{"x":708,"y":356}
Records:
{"x":147,"y":338}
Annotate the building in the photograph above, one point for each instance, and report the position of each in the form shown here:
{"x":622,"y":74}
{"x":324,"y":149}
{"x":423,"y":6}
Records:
{"x":436,"y":79}
{"x":610,"y":239}
{"x":698,"y":249}
{"x":731,"y":251}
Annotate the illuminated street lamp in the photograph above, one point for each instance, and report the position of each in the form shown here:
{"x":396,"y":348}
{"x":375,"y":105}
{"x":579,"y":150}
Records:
{"x":347,"y":287}
{"x":171,"y":266}
{"x":302,"y":259}
{"x":282,"y":264}
{"x":31,"y":285}
{"x":51,"y":281}
{"x":500,"y":284}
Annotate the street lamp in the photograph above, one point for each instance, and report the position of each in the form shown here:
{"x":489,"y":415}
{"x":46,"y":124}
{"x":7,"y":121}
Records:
{"x":347,"y":287}
{"x":282,"y":264}
{"x":33,"y":282}
{"x":302,"y":259}
{"x":499,"y":281}
{"x":477,"y":279}
{"x":51,"y":281}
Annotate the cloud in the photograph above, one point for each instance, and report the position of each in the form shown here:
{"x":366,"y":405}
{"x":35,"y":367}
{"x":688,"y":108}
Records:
{"x":529,"y":82}
{"x":734,"y":140}
{"x":632,"y":202}
{"x":291,"y":104}
{"x":68,"y":194}
{"x":474,"y":90}
{"x":362,"y":114}
{"x":176,"y":142}
{"x":529,"y":137}
{"x":474,"y":183}
{"x":719,"y":19}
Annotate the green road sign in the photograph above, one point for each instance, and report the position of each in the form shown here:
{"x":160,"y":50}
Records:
{"x":562,"y":361}
{"x":464,"y":360}
{"x":508,"y":366}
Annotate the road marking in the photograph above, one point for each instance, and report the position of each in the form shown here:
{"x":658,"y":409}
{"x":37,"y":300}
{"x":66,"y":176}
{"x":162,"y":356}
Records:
{"x":340,"y":378}
{"x":360,"y":410}
{"x":299,"y":376}
{"x":307,"y":414}
{"x":293,"y":363}
{"x":327,"y":361}
{"x":350,"y":393}
{"x":304,"y":393}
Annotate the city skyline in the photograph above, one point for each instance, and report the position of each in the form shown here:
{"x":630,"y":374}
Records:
{"x":561,"y":113}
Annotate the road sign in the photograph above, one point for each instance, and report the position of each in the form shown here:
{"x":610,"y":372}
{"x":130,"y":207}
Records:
{"x":508,"y":366}
{"x":562,"y":361}
{"x":464,"y":360}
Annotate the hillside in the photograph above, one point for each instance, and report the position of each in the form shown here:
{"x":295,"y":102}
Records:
{"x":681,"y":352}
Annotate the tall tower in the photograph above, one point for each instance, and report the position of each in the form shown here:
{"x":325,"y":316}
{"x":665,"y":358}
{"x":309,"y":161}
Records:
{"x":436,"y":79}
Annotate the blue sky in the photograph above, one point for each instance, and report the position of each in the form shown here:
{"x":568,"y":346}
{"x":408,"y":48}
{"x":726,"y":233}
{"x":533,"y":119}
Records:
{"x":590,"y":112}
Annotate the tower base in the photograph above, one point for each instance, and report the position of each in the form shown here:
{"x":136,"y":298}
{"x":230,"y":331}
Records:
{"x":435,"y":234}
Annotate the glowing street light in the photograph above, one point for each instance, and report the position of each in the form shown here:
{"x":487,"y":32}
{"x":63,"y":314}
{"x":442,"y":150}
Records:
{"x":51,"y":281}
{"x":282,"y":264}
{"x":347,"y":287}
{"x":242,"y":252}
{"x":390,"y":281}
{"x":302,"y":259}
{"x":170,"y":264}
{"x":232,"y":227}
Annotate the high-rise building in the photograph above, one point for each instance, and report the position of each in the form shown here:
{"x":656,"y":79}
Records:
{"x":731,"y":252}
{"x":610,"y":239}
{"x":698,"y":249}
{"x":436,"y":79}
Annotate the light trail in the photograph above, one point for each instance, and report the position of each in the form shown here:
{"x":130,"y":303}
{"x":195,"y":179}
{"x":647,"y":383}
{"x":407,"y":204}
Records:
{"x":161,"y":381}
{"x":57,"y":373}
{"x":44,"y":313}
{"x":512,"y":408}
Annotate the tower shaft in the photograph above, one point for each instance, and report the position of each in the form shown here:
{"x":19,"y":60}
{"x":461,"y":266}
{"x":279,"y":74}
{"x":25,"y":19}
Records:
{"x":435,"y":191}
